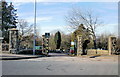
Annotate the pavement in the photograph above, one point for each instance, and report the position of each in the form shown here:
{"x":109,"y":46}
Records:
{"x":5,"y":56}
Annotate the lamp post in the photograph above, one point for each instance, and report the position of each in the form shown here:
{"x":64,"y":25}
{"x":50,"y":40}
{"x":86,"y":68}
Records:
{"x":34,"y":27}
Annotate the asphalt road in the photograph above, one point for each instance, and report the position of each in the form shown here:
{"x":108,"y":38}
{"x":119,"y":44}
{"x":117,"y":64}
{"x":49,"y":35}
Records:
{"x":61,"y":65}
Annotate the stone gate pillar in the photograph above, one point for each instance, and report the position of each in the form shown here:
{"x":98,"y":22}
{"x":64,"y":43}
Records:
{"x":79,"y":45}
{"x":13,"y":40}
{"x":111,"y":44}
{"x":45,"y":43}
{"x":1,"y":38}
{"x":0,"y":44}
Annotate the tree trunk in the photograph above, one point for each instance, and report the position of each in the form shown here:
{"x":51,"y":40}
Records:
{"x":94,"y":41}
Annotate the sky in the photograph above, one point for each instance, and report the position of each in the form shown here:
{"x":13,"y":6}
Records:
{"x":51,"y":15}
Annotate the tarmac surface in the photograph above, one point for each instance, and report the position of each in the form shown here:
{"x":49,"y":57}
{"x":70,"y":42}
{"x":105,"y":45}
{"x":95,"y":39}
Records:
{"x":59,"y":64}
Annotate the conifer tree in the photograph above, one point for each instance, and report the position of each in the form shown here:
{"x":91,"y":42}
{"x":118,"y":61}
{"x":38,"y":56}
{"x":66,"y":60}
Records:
{"x":57,"y":40}
{"x":9,"y":18}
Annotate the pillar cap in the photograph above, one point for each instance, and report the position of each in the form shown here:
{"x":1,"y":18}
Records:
{"x":1,"y":38}
{"x":13,"y":29}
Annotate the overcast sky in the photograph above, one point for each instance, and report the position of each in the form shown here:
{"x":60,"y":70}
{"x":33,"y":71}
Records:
{"x":51,"y":15}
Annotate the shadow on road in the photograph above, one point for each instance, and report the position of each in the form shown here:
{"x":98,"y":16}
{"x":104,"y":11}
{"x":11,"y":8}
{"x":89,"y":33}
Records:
{"x":95,"y":56}
{"x":57,"y":54}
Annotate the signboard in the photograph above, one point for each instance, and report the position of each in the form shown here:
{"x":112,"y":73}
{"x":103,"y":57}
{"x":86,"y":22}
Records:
{"x":38,"y":47}
{"x":72,"y":43}
{"x":72,"y":48}
{"x":47,"y":35}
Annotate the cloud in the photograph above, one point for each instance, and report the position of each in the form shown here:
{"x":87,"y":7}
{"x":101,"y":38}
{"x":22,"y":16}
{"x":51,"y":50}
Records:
{"x":48,"y":3}
{"x":108,"y":29}
{"x":52,"y":29}
{"x":63,"y":0}
{"x":111,"y":6}
{"x":38,"y":19}
{"x":17,"y":3}
{"x":22,"y":1}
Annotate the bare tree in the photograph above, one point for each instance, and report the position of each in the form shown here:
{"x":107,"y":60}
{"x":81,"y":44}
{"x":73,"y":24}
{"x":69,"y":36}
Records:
{"x":51,"y":42}
{"x":76,"y":17}
{"x":25,"y":30}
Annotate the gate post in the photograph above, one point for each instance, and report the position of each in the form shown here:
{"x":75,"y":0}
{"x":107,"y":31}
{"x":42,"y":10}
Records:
{"x":1,"y":38}
{"x":111,"y":40}
{"x":45,"y":43}
{"x":109,"y":45}
{"x":1,"y":44}
{"x":13,"y":40}
{"x":79,"y":45}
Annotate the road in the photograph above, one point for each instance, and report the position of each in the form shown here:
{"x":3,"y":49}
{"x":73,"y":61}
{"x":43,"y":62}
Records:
{"x":60,"y":64}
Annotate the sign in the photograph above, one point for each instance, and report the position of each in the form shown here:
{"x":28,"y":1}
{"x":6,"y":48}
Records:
{"x":47,"y":35}
{"x":72,"y":43}
{"x":38,"y":47}
{"x":72,"y":48}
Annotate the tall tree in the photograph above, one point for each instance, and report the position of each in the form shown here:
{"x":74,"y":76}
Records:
{"x":9,"y":18}
{"x":24,"y":28}
{"x":88,"y":19}
{"x":66,"y":41}
{"x":57,"y":40}
{"x":25,"y":31}
{"x":52,"y":42}
{"x":81,"y":30}
{"x":0,"y":15}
